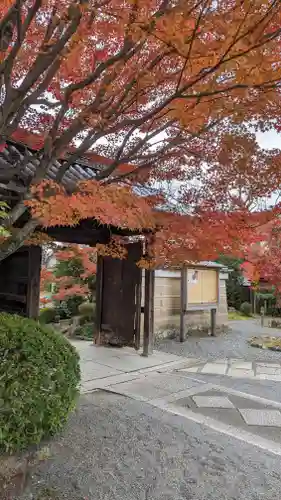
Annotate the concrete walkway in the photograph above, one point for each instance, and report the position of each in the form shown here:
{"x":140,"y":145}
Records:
{"x":169,"y":382}
{"x":105,"y":366}
{"x":181,"y":385}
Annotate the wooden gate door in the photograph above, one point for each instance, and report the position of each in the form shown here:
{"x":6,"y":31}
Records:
{"x":20,"y":282}
{"x":118,"y":298}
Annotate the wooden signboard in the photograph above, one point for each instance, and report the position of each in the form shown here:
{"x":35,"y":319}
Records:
{"x":199,"y":292}
{"x":202,"y":286}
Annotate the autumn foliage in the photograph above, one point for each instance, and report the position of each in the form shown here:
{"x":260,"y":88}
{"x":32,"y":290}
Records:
{"x":144,"y":94}
{"x":264,"y":258}
{"x":73,"y":274}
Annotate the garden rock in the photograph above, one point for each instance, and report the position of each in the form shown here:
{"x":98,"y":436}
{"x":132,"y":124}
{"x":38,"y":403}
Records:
{"x":266,"y":342}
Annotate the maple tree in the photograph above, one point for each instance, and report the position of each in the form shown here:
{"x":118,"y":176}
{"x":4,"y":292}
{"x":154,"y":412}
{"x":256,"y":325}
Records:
{"x":73,"y":274}
{"x":141,"y":88}
{"x":240,"y":176}
{"x":263,"y":259}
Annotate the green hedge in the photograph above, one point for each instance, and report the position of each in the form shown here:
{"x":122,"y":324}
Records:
{"x":47,"y":315}
{"x":87,"y":309}
{"x":246,"y":309}
{"x":86,"y":331}
{"x":39,"y":374}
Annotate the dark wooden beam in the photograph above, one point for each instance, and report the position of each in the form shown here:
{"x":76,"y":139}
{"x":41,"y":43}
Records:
{"x":99,"y":298}
{"x":138,"y":314}
{"x":79,"y":235}
{"x":33,"y":285}
{"x":213,"y":322}
{"x":148,"y":312}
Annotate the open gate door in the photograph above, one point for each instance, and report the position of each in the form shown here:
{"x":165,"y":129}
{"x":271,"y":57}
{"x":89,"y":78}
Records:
{"x":119,"y":298}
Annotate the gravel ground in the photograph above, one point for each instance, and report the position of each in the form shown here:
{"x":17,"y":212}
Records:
{"x":229,"y":345}
{"x":118,"y":449}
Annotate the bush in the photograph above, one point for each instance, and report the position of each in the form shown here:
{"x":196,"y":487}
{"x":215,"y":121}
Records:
{"x":246,"y":309}
{"x":68,"y":308}
{"x":39,"y":373}
{"x":47,"y":315}
{"x":86,"y":331}
{"x":87,"y":309}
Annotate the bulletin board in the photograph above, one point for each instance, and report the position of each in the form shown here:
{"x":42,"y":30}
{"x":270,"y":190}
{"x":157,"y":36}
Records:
{"x":202,"y":286}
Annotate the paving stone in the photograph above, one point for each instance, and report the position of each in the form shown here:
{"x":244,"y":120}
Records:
{"x":221,"y":361}
{"x":192,"y":369}
{"x":239,"y":373}
{"x":171,"y":382}
{"x":269,"y":370}
{"x":188,"y":362}
{"x":91,"y":371}
{"x":242,"y":365}
{"x":212,"y":402}
{"x":141,"y":390}
{"x":214,"y":368}
{"x":265,"y":418}
{"x":102,"y":383}
{"x":266,"y":376}
{"x":272,"y":365}
{"x":232,"y":361}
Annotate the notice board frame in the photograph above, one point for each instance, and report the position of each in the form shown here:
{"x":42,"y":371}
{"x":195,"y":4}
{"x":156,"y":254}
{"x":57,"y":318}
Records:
{"x":185,"y":307}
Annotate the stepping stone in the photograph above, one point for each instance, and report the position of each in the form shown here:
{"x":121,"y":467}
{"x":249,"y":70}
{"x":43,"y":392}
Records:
{"x":213,"y":402}
{"x":215,"y":368}
{"x":242,"y":365}
{"x":264,"y":418}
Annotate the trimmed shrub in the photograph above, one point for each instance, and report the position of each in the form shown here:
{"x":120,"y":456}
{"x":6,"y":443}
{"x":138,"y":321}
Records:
{"x":86,"y":331}
{"x":39,"y":373}
{"x":246,"y":309}
{"x":47,"y":315}
{"x":87,"y":309}
{"x":69,"y":307}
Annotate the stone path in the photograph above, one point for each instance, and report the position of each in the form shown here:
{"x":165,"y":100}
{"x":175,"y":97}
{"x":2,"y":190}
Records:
{"x":238,"y":368}
{"x":103,"y":366}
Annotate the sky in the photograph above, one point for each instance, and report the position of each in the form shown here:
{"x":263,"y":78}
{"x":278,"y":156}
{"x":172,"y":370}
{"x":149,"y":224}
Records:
{"x":269,"y":140}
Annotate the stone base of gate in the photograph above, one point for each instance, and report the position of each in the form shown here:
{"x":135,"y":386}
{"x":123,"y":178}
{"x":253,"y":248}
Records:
{"x":107,"y":337}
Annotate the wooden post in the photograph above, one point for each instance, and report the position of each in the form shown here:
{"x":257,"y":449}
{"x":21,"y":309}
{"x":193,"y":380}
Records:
{"x":251,"y":299}
{"x":183,"y":302}
{"x":213,"y":322}
{"x":262,"y":311}
{"x":138,"y":314}
{"x":148,"y":312}
{"x":33,"y":285}
{"x":99,"y":299}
